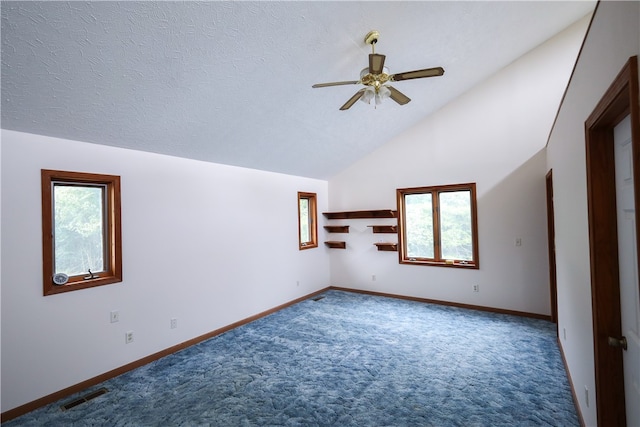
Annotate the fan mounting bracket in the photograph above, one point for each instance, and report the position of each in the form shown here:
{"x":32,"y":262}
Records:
{"x":372,"y":37}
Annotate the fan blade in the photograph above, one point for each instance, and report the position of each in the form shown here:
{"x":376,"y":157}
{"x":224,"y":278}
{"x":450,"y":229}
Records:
{"x":350,"y":82}
{"x":353,"y":100}
{"x":376,"y":63}
{"x":418,"y":74}
{"x":398,"y":96}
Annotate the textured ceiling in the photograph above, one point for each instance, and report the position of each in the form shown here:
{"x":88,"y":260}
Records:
{"x":230,"y":82}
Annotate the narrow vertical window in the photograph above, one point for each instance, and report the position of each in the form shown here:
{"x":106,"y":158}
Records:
{"x":307,"y":218}
{"x":438,"y":225}
{"x":81,"y":230}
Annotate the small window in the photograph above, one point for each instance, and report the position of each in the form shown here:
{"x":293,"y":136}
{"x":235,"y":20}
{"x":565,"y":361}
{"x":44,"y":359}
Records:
{"x":81,"y":230}
{"x":438,"y":226}
{"x":307,"y":218}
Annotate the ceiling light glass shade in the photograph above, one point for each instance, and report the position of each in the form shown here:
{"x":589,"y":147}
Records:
{"x":383,"y":93}
{"x":370,"y":94}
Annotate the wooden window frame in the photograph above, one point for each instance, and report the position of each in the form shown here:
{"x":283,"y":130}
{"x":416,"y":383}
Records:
{"x":313,"y":217}
{"x":437,"y":260}
{"x":113,"y":247}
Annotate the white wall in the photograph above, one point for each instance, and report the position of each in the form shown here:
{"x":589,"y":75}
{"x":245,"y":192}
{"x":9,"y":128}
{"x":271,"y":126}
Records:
{"x":612,"y":39}
{"x":205,"y":243}
{"x":492,"y":135}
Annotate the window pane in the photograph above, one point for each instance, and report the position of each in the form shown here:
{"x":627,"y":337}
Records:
{"x":305,"y":235}
{"x":419,"y":225}
{"x":455,"y":225}
{"x":78,"y":229}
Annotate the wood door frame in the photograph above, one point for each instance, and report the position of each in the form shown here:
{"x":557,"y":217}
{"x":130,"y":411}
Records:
{"x":551,"y":233}
{"x":620,"y":100}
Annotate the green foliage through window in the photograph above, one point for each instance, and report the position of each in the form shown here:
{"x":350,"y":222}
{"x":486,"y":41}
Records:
{"x":455,"y":225}
{"x":81,"y":230}
{"x":78,"y":229}
{"x":419,"y":225}
{"x":438,"y":225}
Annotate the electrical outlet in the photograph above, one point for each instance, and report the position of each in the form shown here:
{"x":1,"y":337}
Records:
{"x":373,"y":277}
{"x":476,"y":287}
{"x":564,"y":333}
{"x":174,"y":323}
{"x":115,"y":316}
{"x":518,"y":241}
{"x":297,"y":282}
{"x":128,"y":337}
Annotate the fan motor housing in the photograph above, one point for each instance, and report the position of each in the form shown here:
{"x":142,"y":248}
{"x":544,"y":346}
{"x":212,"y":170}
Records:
{"x":373,"y":79}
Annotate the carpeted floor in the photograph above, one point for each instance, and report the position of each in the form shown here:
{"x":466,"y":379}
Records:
{"x":345,"y":360}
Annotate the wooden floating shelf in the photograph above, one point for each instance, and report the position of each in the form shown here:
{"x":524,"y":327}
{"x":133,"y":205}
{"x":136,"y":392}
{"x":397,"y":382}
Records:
{"x":337,"y":228}
{"x":391,"y":247}
{"x":336,"y":245}
{"x":381,"y":213}
{"x":384,"y":228}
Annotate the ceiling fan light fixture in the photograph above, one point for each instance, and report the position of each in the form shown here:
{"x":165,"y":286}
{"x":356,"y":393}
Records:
{"x":376,"y":76}
{"x":377,"y":95}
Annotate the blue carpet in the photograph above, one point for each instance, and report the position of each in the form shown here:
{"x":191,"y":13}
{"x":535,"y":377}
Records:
{"x":345,"y":360}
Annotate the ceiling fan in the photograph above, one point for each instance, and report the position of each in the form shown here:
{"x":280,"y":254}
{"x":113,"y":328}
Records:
{"x":376,"y":78}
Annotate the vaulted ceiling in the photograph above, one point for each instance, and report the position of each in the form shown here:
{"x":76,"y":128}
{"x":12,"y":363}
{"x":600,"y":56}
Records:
{"x":230,"y":82}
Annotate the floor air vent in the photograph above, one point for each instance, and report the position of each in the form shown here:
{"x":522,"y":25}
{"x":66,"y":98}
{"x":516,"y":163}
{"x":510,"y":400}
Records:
{"x":318,"y":298}
{"x":84,"y":399}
